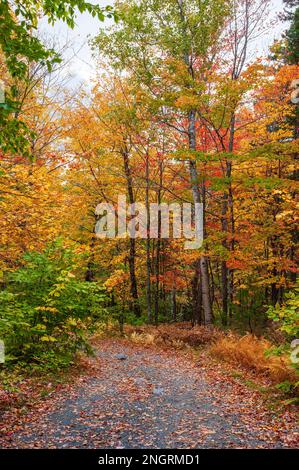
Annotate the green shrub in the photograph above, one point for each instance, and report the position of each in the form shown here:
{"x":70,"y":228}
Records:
{"x":287,"y":316}
{"x":47,"y":313}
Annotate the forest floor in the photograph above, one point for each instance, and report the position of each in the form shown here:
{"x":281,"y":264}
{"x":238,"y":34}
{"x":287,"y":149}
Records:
{"x":153,"y":398}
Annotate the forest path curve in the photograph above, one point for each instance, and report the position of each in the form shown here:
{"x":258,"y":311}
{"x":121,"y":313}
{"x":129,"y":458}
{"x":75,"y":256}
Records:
{"x":154,"y":399}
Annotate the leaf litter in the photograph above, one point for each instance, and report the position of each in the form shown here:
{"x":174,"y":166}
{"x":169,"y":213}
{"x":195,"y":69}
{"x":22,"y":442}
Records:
{"x":153,"y":399}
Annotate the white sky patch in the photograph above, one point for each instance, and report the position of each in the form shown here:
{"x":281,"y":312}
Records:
{"x":82,"y":66}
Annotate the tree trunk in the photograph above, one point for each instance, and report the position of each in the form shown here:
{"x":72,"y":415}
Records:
{"x":148,"y":246}
{"x":158,"y":246}
{"x":196,"y":296}
{"x":227,"y":209}
{"x":204,"y":273}
{"x":89,"y":274}
{"x":197,"y":199}
{"x":132,"y":253}
{"x":174,"y":305}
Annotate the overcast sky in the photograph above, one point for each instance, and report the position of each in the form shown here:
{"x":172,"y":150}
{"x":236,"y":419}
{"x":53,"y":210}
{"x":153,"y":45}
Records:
{"x":82,"y":66}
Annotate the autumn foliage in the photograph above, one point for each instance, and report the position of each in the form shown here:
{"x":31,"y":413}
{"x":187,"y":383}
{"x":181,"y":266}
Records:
{"x":177,"y":114}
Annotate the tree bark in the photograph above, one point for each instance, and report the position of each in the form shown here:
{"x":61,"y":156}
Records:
{"x":197,"y":199}
{"x":204,"y":272}
{"x":132,"y":252}
{"x":174,"y":304}
{"x":158,"y":245}
{"x":148,"y":246}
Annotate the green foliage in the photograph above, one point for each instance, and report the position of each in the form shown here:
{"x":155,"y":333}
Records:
{"x":292,"y":33}
{"x":14,"y":135}
{"x":131,"y":319}
{"x":289,"y":388}
{"x":286,"y":387}
{"x":288,"y":317}
{"x":287,"y":314}
{"x":19,"y":19}
{"x":21,"y":46}
{"x":191,"y":26}
{"x":47,"y":313}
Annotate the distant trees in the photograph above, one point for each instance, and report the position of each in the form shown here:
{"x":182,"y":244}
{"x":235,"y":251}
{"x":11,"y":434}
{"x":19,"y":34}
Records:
{"x":291,"y":14}
{"x":179,"y":113}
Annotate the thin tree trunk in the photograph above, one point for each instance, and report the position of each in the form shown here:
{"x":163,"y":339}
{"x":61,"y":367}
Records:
{"x":157,"y":269}
{"x":227,"y":279}
{"x":89,"y":274}
{"x":132,"y":253}
{"x":203,"y":263}
{"x":148,"y":246}
{"x":174,"y":304}
{"x":158,"y":246}
{"x":196,"y":296}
